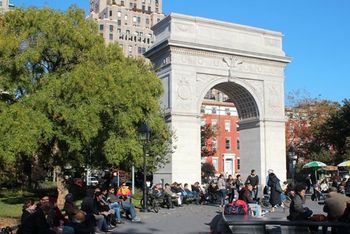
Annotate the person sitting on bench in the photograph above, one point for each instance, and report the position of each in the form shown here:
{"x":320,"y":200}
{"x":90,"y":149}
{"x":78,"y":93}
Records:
{"x":245,"y":194}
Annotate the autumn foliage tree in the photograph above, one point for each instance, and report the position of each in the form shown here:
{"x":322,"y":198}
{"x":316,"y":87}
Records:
{"x":208,"y":134}
{"x":305,"y":116}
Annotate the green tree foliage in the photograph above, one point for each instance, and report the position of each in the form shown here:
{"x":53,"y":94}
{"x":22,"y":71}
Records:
{"x":72,"y":94}
{"x":335,"y":133}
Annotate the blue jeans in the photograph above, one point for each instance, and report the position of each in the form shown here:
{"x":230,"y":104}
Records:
{"x":116,"y":207}
{"x":222,"y":193}
{"x":130,"y":208}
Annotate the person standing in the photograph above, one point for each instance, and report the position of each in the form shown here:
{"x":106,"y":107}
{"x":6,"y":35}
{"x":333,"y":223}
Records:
{"x":231,"y":185}
{"x":253,"y":179}
{"x":275,"y":191}
{"x":239,"y":183}
{"x":222,"y":190}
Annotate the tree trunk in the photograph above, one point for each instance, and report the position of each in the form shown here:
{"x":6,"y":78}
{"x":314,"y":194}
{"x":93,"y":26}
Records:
{"x":61,"y":186}
{"x":60,"y":181}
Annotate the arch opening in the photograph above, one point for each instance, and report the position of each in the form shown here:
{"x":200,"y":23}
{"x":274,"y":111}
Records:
{"x":243,"y":100}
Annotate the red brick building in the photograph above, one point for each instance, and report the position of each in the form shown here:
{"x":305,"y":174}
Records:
{"x":223,"y":117}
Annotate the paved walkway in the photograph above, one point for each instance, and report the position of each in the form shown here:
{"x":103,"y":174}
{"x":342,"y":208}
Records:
{"x":189,"y":219}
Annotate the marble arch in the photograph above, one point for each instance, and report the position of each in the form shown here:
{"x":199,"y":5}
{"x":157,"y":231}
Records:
{"x":192,"y":55}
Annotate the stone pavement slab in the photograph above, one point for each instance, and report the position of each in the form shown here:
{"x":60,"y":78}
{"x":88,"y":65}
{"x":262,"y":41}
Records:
{"x":189,"y":219}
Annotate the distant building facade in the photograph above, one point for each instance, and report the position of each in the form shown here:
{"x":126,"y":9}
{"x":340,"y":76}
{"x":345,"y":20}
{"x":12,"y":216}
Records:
{"x":127,"y":22}
{"x":223,"y":117}
{"x":5,"y":6}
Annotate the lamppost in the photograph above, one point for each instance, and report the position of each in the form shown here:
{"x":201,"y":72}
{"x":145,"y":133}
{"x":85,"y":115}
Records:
{"x":144,"y":136}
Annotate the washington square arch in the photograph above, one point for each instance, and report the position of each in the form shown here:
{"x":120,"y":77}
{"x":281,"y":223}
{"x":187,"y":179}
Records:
{"x":193,"y":55}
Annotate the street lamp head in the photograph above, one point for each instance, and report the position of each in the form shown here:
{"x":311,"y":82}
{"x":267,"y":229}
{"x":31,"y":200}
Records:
{"x":144,"y":131}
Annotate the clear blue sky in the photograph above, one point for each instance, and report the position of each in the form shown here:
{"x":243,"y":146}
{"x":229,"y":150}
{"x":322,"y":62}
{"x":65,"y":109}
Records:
{"x":316,"y":35}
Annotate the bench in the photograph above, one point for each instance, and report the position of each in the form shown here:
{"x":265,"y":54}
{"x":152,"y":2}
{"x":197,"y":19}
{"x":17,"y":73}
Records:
{"x":250,"y":224}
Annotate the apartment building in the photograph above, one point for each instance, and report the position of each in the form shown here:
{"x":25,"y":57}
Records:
{"x":127,"y":22}
{"x":223,"y":117}
{"x":5,"y":6}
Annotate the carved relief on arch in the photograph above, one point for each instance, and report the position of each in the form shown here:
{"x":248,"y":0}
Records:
{"x":274,"y":99}
{"x":184,"y":92}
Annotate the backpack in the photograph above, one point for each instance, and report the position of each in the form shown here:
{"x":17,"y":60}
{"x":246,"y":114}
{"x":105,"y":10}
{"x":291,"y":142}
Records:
{"x":238,"y":207}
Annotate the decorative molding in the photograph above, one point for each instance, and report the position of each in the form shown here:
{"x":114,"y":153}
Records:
{"x":220,"y":61}
{"x":232,"y":63}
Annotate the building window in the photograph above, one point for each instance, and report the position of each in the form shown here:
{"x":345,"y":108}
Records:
{"x":138,"y":20}
{"x":149,"y":9}
{"x":214,"y":144}
{"x":126,"y":17}
{"x":119,"y":30}
{"x":158,"y":20}
{"x":215,"y":163}
{"x":213,"y":110}
{"x":214,"y":123}
{"x":110,"y":13}
{"x":119,"y":22}
{"x":227,"y":111}
{"x":111,"y":28}
{"x":147,"y":21}
{"x":228,"y":143}
{"x":227,"y":125}
{"x":131,"y":5}
{"x":238,"y":146}
{"x":203,"y":109}
{"x":238,"y":164}
{"x":111,"y":37}
{"x":122,"y":3}
{"x":127,"y":32}
{"x":101,"y":27}
{"x":119,"y":14}
{"x":134,"y":19}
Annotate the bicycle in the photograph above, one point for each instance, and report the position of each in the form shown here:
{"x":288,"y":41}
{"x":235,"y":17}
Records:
{"x":265,"y":201}
{"x":153,"y":202}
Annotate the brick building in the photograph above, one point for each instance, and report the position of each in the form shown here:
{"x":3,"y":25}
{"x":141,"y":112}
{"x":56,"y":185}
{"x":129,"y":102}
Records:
{"x":223,"y":117}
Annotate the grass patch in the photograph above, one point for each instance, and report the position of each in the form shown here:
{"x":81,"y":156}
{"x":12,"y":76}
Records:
{"x":11,"y":210}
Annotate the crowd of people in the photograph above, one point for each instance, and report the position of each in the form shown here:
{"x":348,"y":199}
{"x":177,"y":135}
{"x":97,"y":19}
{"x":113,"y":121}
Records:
{"x":103,"y":207}
{"x":100,"y":211}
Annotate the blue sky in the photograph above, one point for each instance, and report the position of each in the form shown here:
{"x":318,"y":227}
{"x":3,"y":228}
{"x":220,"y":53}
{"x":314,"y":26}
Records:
{"x":316,"y":35}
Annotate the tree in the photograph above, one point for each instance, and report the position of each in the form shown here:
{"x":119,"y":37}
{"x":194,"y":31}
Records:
{"x":72,"y":94}
{"x":305,"y":116}
{"x":335,"y":133}
{"x":208,"y":133}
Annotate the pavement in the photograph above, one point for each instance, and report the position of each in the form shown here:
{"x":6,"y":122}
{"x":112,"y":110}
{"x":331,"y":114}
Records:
{"x":189,"y":219}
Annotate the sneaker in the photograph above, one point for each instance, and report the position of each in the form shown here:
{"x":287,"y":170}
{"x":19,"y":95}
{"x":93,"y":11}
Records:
{"x":119,"y":222}
{"x":136,"y":220}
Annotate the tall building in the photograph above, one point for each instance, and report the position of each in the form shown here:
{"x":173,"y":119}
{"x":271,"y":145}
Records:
{"x":127,"y":22}
{"x":223,"y":117}
{"x":5,"y":6}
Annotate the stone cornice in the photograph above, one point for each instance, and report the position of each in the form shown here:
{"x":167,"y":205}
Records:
{"x":210,"y":51}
